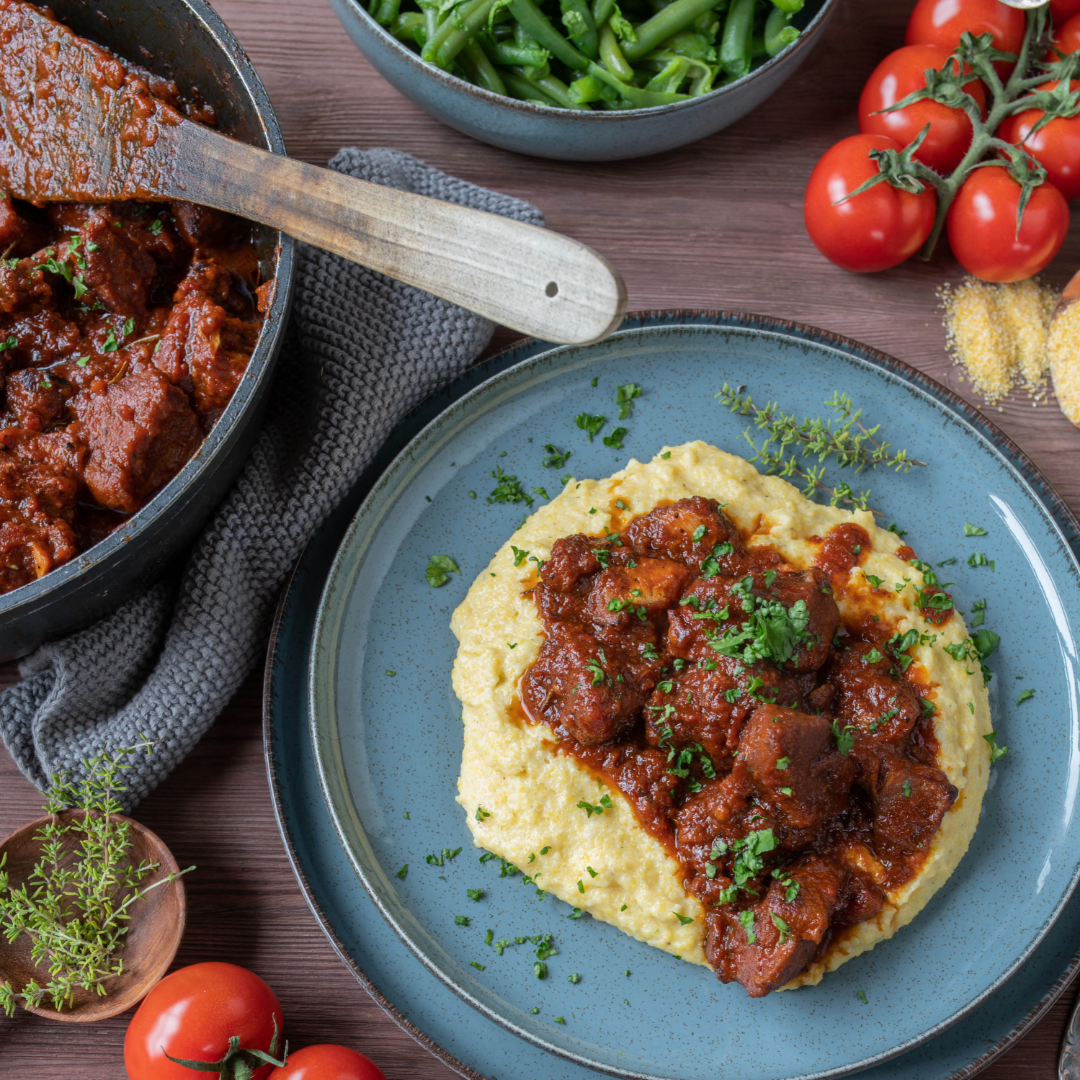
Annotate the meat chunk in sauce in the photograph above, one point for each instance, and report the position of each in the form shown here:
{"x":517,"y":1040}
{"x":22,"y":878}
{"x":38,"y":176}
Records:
{"x":710,"y":706}
{"x":116,"y":270}
{"x":909,"y":799}
{"x":689,"y":530}
{"x":790,"y":763}
{"x":572,"y":558}
{"x":768,"y":950}
{"x":812,"y":589}
{"x":579,"y":688}
{"x":140,"y":432}
{"x":622,"y":593}
{"x":870,"y":695}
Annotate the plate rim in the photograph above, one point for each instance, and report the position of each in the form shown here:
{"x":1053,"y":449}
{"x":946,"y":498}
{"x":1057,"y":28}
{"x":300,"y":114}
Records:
{"x":1009,"y":453}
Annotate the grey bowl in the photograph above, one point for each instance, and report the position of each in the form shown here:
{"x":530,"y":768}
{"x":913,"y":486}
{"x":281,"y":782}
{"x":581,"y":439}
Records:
{"x":567,"y":135}
{"x":185,"y":40}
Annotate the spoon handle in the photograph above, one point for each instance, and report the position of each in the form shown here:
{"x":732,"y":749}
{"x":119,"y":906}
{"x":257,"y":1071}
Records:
{"x":1069,"y":1061}
{"x":530,"y":279}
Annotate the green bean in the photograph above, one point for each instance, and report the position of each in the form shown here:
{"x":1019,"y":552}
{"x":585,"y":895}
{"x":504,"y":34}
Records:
{"x":534,"y":74}
{"x":525,"y":90}
{"x":789,"y":7}
{"x":578,"y":20}
{"x":458,"y":26}
{"x":388,"y":12}
{"x":612,"y":56}
{"x":670,"y":78}
{"x":601,"y":11}
{"x":670,"y":21}
{"x":637,"y":98}
{"x":735,"y":44}
{"x":405,"y":27}
{"x":779,"y":33}
{"x":505,"y":53}
{"x":534,"y":22}
{"x":586,"y":89}
{"x":554,"y":88}
{"x":482,"y":69}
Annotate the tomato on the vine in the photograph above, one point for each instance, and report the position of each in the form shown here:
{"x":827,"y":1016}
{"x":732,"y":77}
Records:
{"x":193,"y":1013}
{"x":1066,"y":38}
{"x":941,"y":22}
{"x":328,"y":1062}
{"x":902,"y":73}
{"x":982,"y":226}
{"x":1056,"y":146}
{"x":1060,"y":10}
{"x":878,"y":228}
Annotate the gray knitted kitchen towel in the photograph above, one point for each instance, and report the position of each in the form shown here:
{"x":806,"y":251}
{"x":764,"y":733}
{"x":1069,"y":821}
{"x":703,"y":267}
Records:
{"x":361,"y":351}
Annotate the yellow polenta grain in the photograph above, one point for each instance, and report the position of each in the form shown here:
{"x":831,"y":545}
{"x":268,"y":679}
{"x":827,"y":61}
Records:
{"x":997,"y":332}
{"x":1064,"y":350}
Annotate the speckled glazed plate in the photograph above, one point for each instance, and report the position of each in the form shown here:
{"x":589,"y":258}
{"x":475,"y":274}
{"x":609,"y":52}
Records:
{"x":388,"y":746}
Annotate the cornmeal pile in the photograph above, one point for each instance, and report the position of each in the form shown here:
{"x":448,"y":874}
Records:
{"x":999,"y":334}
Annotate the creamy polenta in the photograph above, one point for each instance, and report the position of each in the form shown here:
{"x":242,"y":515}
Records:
{"x":524,"y":802}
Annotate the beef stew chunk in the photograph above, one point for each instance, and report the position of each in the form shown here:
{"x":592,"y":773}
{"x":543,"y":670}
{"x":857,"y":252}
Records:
{"x":758,"y":738}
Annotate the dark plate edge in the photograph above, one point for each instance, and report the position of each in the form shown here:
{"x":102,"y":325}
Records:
{"x":1063,"y":516}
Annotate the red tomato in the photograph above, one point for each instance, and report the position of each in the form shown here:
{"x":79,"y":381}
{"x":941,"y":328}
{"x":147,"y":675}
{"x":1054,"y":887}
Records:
{"x":328,"y":1062}
{"x":1056,"y":147}
{"x":1067,"y":38}
{"x":902,"y":73}
{"x":878,"y":228}
{"x":192,"y":1014}
{"x":982,"y":226}
{"x":1060,"y":10}
{"x":941,"y":22}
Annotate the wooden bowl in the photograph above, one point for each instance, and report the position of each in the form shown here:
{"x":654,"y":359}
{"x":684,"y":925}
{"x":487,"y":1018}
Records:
{"x":154,"y":931}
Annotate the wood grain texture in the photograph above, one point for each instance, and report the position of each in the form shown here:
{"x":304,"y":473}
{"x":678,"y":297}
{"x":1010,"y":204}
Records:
{"x":716,"y":225}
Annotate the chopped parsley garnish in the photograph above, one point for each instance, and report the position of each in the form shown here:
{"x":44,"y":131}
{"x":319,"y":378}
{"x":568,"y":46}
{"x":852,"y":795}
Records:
{"x":545,"y":849}
{"x":111,"y":344}
{"x":580,"y":886}
{"x":555,"y":458}
{"x":686,"y":920}
{"x":473,"y":963}
{"x":711,"y":567}
{"x":614,"y":440}
{"x":575,"y":978}
{"x":11,"y":342}
{"x":598,"y":673}
{"x":665,"y":455}
{"x":595,"y":808}
{"x":520,"y":555}
{"x":785,"y":930}
{"x":845,"y":737}
{"x":996,"y":752}
{"x":559,"y":1020}
{"x":862,"y":997}
{"x":648,"y":652}
{"x":773,"y":632}
{"x":748,"y":861}
{"x":873,"y":656}
{"x":907,"y":789}
{"x":948,"y":562}
{"x":592,"y":872}
{"x":482,"y":814}
{"x":156,"y":226}
{"x":770,"y":577}
{"x":507,"y":489}
{"x":576,"y":913}
{"x":698,"y":534}
{"x":624,"y":398}
{"x":783,"y":763}
{"x":540,"y":969}
{"x":440,"y":860}
{"x":974,"y":530}
{"x":1025,"y":695}
{"x":542,"y":492}
{"x":439,"y":569}
{"x":977,"y":558}
{"x":979,"y":609}
{"x":403,"y":873}
{"x":590,"y":424}
{"x":747,"y":919}
{"x":475,"y":894}
{"x":488,"y":856}
{"x":461,"y":920}
{"x":894,"y":528}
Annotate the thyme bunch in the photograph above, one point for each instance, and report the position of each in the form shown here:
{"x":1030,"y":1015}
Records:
{"x":76,"y":904}
{"x":788,"y":442}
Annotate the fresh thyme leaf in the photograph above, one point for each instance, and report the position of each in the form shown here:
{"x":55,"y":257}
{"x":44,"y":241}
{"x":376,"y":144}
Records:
{"x":76,"y":904}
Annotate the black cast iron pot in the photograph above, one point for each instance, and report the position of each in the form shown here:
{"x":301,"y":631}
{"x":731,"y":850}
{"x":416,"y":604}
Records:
{"x":186,"y":41}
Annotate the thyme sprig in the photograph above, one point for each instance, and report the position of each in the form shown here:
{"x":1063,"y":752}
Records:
{"x":789,"y":441}
{"x":76,"y":904}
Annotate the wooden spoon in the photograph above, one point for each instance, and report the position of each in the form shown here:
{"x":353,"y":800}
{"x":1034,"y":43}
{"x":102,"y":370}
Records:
{"x":75,"y":125}
{"x":156,"y":927}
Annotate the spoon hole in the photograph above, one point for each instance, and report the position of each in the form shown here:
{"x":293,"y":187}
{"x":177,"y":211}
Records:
{"x":551,"y":289}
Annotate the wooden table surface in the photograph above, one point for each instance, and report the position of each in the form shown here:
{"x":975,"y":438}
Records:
{"x":714,"y":225}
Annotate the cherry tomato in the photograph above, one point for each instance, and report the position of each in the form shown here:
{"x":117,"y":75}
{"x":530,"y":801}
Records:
{"x":902,"y":73}
{"x":328,"y":1062}
{"x":876,"y":229}
{"x":1056,"y":147}
{"x":941,"y":22}
{"x":192,"y":1014}
{"x":1066,"y":38}
{"x":982,"y":226}
{"x":1060,"y":10}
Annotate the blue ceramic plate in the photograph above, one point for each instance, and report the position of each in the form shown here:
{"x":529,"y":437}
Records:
{"x":387,"y":746}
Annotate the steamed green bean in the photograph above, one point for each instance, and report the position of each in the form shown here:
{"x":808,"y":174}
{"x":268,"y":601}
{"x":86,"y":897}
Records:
{"x":594,"y":54}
